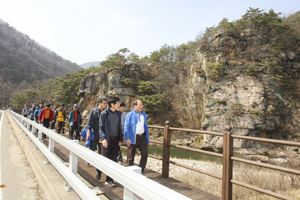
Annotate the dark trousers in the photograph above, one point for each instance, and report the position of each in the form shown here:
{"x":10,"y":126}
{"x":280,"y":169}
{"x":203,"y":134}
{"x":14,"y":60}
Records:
{"x":60,"y":127}
{"x":94,"y":144}
{"x":46,"y":124}
{"x":75,"y":128}
{"x":141,"y":144}
{"x":111,"y":152}
{"x":119,"y":158}
{"x":52,"y":124}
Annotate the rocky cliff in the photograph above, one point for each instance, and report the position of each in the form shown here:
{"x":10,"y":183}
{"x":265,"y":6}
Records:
{"x":238,"y":80}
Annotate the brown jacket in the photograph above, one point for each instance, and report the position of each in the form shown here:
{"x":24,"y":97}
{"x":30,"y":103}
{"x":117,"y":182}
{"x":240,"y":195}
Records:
{"x":57,"y":117}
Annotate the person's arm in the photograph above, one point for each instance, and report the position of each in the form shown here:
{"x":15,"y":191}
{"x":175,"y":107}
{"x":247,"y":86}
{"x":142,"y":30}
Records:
{"x":89,"y":123}
{"x":126,"y":129}
{"x":52,"y":116}
{"x":101,"y":130}
{"x":40,"y":116}
{"x":120,"y":129}
{"x":35,"y":113}
{"x":146,"y":128}
{"x":70,"y":115}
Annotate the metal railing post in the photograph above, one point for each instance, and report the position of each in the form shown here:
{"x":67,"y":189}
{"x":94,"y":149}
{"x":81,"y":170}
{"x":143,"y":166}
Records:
{"x":128,"y":194}
{"x":40,"y":136}
{"x":166,"y":151}
{"x":33,"y":130}
{"x":51,"y":145}
{"x":227,"y":164}
{"x":28,"y":126}
{"x":73,"y":160}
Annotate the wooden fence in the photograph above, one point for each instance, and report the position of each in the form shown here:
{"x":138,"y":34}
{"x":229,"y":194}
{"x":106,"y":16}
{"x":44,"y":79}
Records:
{"x":227,"y":157}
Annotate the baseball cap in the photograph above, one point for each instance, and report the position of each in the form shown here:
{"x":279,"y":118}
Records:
{"x":75,"y":105}
{"x":33,"y":104}
{"x":61,"y":104}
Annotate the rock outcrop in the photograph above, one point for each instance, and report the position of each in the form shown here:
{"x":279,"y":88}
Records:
{"x":238,"y":80}
{"x":108,"y":83}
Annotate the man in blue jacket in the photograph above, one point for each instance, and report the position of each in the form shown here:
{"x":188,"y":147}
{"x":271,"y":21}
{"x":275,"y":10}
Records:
{"x":38,"y":111}
{"x":110,"y":132}
{"x":93,"y":123}
{"x":75,"y":121}
{"x":136,"y":134}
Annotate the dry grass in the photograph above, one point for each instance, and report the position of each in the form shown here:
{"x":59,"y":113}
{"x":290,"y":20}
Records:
{"x":272,"y":180}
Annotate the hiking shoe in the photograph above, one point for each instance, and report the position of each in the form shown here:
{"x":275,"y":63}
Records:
{"x":110,"y":183}
{"x":144,"y":174}
{"x":98,"y":177}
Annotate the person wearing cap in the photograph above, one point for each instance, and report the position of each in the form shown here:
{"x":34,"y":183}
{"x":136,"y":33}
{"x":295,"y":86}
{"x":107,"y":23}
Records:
{"x":93,"y":123}
{"x":60,"y":116}
{"x":31,"y":112}
{"x":38,"y":111}
{"x":46,"y":116}
{"x":75,"y":121}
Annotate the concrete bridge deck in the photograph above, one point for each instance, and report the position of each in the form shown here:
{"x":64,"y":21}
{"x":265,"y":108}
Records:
{"x":88,"y":173}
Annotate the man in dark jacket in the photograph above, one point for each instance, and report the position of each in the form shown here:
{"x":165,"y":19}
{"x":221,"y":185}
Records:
{"x":93,"y":123}
{"x":110,"y":133}
{"x":38,"y":110}
{"x":31,"y":112}
{"x":75,"y":121}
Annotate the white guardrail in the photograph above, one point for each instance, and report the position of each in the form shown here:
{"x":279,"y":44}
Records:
{"x":135,"y":184}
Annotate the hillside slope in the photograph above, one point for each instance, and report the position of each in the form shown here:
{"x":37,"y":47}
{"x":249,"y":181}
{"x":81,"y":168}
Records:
{"x":24,"y":62}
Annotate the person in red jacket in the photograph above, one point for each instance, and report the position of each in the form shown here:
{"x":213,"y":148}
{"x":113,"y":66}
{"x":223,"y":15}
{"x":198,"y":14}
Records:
{"x":46,"y":116}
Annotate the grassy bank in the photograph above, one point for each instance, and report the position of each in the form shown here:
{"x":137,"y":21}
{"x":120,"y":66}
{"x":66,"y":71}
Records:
{"x":272,"y":180}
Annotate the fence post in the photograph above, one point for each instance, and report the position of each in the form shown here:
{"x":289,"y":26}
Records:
{"x":28,"y":126}
{"x":73,"y":160}
{"x":40,"y":136}
{"x":227,"y":164}
{"x":166,"y":151}
{"x":127,"y":194}
{"x":51,"y":145}
{"x":33,"y":130}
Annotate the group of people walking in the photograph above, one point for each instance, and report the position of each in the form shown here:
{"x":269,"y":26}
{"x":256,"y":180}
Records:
{"x":106,"y":128}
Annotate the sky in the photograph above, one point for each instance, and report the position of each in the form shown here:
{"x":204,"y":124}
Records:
{"x":89,"y":30}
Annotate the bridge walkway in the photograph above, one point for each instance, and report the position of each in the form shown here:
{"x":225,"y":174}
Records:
{"x":88,"y":172}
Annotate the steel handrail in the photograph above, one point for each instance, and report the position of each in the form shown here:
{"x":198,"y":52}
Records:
{"x":138,"y":184}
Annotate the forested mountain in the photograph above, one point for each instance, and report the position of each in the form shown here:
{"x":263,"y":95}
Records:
{"x":24,"y":62}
